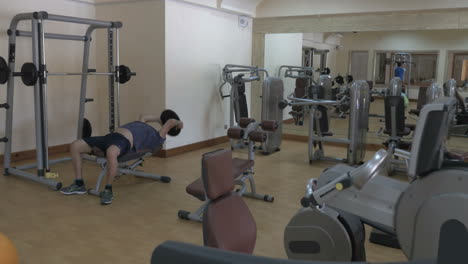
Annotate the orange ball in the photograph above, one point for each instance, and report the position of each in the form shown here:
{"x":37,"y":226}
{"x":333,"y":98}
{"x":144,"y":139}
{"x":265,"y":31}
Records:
{"x":8,"y":253}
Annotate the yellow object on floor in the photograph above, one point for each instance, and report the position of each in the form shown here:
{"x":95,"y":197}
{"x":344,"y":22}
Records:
{"x":51,"y":175}
{"x":8,"y":253}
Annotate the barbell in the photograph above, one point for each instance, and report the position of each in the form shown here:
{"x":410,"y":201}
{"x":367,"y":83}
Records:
{"x":29,"y":73}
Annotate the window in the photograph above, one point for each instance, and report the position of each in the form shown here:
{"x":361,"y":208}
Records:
{"x":459,"y":72}
{"x":381,"y":65}
{"x":423,"y":67}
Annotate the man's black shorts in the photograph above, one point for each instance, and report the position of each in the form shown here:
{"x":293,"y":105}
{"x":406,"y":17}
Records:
{"x":104,"y":142}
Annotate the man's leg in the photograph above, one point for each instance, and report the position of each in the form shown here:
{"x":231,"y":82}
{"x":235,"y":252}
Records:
{"x":76,"y":148}
{"x":112,"y":155}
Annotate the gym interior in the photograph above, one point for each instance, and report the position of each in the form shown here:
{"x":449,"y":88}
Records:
{"x":233,"y":131}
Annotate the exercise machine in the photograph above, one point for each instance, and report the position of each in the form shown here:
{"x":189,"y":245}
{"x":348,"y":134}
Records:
{"x":242,"y":169}
{"x":227,"y":221}
{"x":330,"y":226}
{"x":304,"y":77}
{"x":318,"y":110}
{"x":272,"y":95}
{"x":452,"y":241}
{"x":395,"y":126}
{"x":308,"y":59}
{"x":36,"y":74}
{"x":405,"y":59}
{"x":460,"y":123}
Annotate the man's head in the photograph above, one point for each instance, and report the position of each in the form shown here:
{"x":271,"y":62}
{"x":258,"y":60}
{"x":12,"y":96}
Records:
{"x":173,"y":121}
{"x":399,"y":64}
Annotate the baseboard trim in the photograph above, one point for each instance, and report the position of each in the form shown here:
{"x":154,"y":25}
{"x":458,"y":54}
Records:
{"x":31,"y":154}
{"x":299,"y":138}
{"x":166,"y":153}
{"x":288,"y":121}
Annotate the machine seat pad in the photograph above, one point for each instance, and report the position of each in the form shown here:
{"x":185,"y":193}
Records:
{"x":405,"y":132}
{"x":414,"y":112}
{"x":241,"y":165}
{"x":127,"y":157}
{"x":458,"y":155}
{"x":133,"y":156}
{"x":411,"y":126}
{"x":196,"y":189}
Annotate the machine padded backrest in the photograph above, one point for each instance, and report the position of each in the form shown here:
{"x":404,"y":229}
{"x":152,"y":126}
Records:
{"x":399,"y":103}
{"x":217,"y":173}
{"x":421,"y":97}
{"x":301,"y":84}
{"x":229,"y":225}
{"x":427,"y":153}
{"x":171,"y":252}
{"x":227,"y":221}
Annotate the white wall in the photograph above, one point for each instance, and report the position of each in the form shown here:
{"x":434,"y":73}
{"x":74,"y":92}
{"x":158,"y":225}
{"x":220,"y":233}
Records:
{"x":199,"y":42}
{"x":142,"y":49}
{"x":434,"y":40}
{"x":63,"y":92}
{"x":274,"y":8}
{"x":283,"y":49}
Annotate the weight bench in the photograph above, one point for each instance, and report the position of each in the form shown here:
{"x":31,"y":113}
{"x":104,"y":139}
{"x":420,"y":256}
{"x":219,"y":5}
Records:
{"x":242,"y":169}
{"x":127,"y":166}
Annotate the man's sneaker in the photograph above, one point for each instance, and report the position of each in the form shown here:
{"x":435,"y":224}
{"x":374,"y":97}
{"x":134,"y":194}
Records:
{"x":106,"y":196}
{"x":74,"y":189}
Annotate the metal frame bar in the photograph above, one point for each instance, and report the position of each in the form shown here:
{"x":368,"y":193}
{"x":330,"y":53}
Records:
{"x":38,"y":37}
{"x":110,"y":46}
{"x":21,"y":33}
{"x":124,"y":169}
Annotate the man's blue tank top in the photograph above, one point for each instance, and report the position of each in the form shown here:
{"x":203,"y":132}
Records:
{"x":145,"y":137}
{"x":400,"y":72}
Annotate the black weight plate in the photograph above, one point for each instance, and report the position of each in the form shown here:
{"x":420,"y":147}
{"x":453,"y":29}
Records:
{"x":4,"y":71}
{"x":29,"y":72}
{"x":87,"y":129}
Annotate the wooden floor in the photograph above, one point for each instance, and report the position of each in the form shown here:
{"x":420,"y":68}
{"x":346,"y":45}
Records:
{"x":48,"y":227}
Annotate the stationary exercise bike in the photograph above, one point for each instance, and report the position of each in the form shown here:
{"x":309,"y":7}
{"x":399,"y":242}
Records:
{"x":330,"y":226}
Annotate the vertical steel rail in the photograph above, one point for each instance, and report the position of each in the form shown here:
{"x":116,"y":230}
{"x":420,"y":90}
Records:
{"x":10,"y":101}
{"x":117,"y":73}
{"x":110,"y":45}
{"x":37,"y":102}
{"x":84,"y":83}
{"x":43,"y":93}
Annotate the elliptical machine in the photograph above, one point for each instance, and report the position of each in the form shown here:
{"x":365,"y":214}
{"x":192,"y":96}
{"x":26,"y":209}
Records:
{"x":330,"y":226}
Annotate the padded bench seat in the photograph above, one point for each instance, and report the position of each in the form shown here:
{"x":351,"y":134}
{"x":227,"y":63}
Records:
{"x":406,"y":132}
{"x":197,"y":189}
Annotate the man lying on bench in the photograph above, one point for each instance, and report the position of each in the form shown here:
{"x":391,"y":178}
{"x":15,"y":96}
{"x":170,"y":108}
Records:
{"x":135,"y":136}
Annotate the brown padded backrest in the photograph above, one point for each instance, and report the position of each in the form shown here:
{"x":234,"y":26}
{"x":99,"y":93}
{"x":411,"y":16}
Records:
{"x":217,"y":173}
{"x":229,"y":225}
{"x":301,"y":84}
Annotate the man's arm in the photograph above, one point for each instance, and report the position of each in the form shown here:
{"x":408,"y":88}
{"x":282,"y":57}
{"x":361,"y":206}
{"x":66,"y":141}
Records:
{"x":149,"y":118}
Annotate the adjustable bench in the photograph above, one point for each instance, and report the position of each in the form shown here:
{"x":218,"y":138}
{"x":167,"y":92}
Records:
{"x":242,"y":169}
{"x":127,"y":166}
